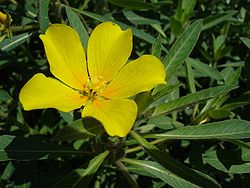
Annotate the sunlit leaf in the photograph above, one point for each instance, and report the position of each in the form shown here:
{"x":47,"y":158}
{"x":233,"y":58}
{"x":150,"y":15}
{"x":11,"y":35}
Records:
{"x":182,"y":48}
{"x":228,"y":129}
{"x":153,"y":169}
{"x":192,"y":99}
{"x":174,"y":166}
{"x":76,"y":23}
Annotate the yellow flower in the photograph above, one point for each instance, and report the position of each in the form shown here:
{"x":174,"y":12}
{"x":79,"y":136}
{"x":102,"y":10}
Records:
{"x":102,"y":83}
{"x":3,"y":18}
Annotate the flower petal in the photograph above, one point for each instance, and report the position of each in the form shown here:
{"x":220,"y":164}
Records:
{"x":65,"y":55}
{"x":108,"y":50}
{"x":117,"y":116}
{"x":137,"y":76}
{"x":42,"y":92}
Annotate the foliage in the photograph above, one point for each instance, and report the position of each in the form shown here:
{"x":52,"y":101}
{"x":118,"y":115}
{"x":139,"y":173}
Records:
{"x":192,"y":132}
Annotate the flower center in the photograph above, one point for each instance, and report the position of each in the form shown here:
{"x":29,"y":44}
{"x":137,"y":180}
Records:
{"x":93,"y":88}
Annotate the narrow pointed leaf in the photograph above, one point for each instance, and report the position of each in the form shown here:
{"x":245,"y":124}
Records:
{"x":192,"y":99}
{"x":80,"y":129}
{"x":246,"y":41}
{"x":182,"y":48}
{"x":205,"y":69}
{"x":217,"y":19}
{"x":228,"y":129}
{"x":138,"y":20}
{"x":226,"y":161}
{"x":80,"y":178}
{"x":76,"y":23}
{"x":44,"y":15}
{"x":7,"y":45}
{"x":154,"y":169}
{"x":174,"y":166}
{"x":132,"y":4}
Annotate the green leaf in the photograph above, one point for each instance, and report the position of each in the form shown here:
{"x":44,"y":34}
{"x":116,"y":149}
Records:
{"x":143,"y":100}
{"x":217,"y":19}
{"x":240,"y":102}
{"x":80,"y":129}
{"x":8,"y":171}
{"x":223,"y":130}
{"x":156,"y":48}
{"x":76,"y":23}
{"x":174,"y":166}
{"x":190,"y":78}
{"x":162,"y":90}
{"x":44,"y":15}
{"x":246,"y":41}
{"x":67,"y":116}
{"x":192,"y":99}
{"x":132,"y":4}
{"x":8,"y":45}
{"x":220,"y":114}
{"x":230,"y":75}
{"x":245,"y":151}
{"x":159,"y":29}
{"x":188,"y":9}
{"x":155,"y":170}
{"x":19,"y":148}
{"x":182,"y":48}
{"x":4,"y":96}
{"x":175,"y":26}
{"x":164,"y":122}
{"x":82,"y":177}
{"x":226,"y":161}
{"x":138,"y":20}
{"x":205,"y":69}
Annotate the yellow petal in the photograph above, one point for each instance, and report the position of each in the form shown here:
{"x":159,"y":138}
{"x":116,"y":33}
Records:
{"x":65,"y":55}
{"x":108,"y":50}
{"x":117,"y":116}
{"x":137,"y":76}
{"x":42,"y":92}
{"x":2,"y":18}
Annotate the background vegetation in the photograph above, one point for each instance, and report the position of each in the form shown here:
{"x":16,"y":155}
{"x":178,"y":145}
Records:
{"x":192,"y":132}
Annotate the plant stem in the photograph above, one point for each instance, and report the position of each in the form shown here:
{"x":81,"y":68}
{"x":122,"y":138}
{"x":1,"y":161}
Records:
{"x":131,"y":150}
{"x":126,"y":174}
{"x":23,"y":28}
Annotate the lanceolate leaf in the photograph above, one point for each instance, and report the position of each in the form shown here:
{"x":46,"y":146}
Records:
{"x":82,"y":177}
{"x":44,"y":15}
{"x":8,"y":45}
{"x":226,"y":162}
{"x":76,"y":23}
{"x":246,"y":41}
{"x":138,"y":20}
{"x":217,"y":19}
{"x":205,"y":69}
{"x":19,"y":148}
{"x":172,"y":165}
{"x":132,"y":4}
{"x":79,"y":129}
{"x":229,"y":129}
{"x":192,"y":99}
{"x":154,"y":169}
{"x":182,"y":48}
